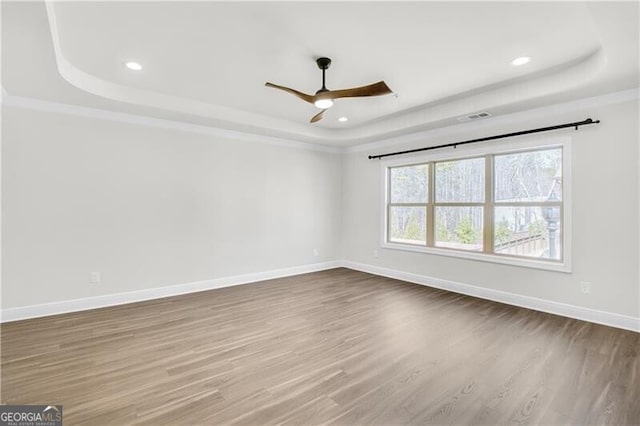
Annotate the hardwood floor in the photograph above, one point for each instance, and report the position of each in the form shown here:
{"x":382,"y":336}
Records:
{"x":338,"y":346}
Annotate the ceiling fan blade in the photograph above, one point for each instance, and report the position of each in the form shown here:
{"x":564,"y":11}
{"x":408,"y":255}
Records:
{"x":317,"y":117}
{"x":303,"y":96}
{"x":375,"y":89}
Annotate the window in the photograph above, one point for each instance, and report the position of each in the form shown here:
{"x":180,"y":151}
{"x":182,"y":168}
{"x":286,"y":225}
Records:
{"x":528,"y":203}
{"x":459,"y":198}
{"x":504,"y":206}
{"x":408,"y":195}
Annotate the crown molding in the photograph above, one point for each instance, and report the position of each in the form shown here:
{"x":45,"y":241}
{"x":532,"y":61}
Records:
{"x":540,"y":112}
{"x":101,"y":114}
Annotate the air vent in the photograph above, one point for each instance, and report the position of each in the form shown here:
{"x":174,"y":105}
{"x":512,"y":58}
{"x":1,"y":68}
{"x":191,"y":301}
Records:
{"x":475,"y":116}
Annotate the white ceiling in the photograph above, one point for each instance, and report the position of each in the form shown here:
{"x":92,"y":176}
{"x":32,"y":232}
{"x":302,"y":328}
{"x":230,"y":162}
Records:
{"x":207,"y":62}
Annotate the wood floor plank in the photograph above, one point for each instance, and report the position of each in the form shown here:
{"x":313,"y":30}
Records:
{"x":333,"y":347}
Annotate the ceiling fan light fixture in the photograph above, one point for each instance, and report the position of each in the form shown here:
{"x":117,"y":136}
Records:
{"x":323,"y":103}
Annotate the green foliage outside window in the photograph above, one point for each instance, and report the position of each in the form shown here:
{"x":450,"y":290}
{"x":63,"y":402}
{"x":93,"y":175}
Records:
{"x":503,"y":233}
{"x":465,"y":232}
{"x":413,"y":231}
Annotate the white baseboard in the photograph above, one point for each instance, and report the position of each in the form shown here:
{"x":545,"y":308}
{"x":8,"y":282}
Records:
{"x":55,"y":308}
{"x":557,"y":308}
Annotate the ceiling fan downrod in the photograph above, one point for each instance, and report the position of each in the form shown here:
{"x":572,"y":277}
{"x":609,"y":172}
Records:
{"x":323,"y":64}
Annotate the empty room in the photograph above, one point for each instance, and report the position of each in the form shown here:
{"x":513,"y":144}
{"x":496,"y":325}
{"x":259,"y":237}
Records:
{"x":349,"y":213}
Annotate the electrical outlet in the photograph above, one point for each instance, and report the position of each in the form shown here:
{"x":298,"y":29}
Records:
{"x":95,"y":277}
{"x":375,"y":253}
{"x":316,"y":252}
{"x":585,"y":287}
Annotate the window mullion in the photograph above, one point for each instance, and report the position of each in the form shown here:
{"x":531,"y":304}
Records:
{"x":431,"y":228}
{"x":488,"y":205}
{"x":388,"y":207}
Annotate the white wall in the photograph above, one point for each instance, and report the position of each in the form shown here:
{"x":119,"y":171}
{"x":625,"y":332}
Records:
{"x":605,"y":214}
{"x":150,"y":207}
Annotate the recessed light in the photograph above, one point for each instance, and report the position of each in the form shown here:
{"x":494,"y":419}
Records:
{"x":520,"y":61}
{"x":133,"y":65}
{"x":343,"y":119}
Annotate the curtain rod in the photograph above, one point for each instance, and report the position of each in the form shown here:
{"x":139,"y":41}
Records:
{"x":488,"y":138}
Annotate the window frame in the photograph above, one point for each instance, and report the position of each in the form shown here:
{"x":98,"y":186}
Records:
{"x":488,"y":151}
{"x":435,"y":204}
{"x":389,"y":204}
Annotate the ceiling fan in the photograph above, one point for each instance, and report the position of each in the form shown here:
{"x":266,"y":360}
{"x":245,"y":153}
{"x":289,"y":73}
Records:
{"x":324,"y":97}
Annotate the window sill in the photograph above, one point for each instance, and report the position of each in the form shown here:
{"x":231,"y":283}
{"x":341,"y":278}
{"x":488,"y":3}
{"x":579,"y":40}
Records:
{"x":484,"y":257}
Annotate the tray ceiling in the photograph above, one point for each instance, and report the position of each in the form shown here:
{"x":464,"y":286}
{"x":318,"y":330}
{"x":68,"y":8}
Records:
{"x":207,"y":62}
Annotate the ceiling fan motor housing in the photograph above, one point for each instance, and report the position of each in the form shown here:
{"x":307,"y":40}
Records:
{"x":323,"y":63}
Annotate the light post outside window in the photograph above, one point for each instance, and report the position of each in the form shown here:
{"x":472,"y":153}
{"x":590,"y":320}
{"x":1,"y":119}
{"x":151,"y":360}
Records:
{"x":551,"y":215}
